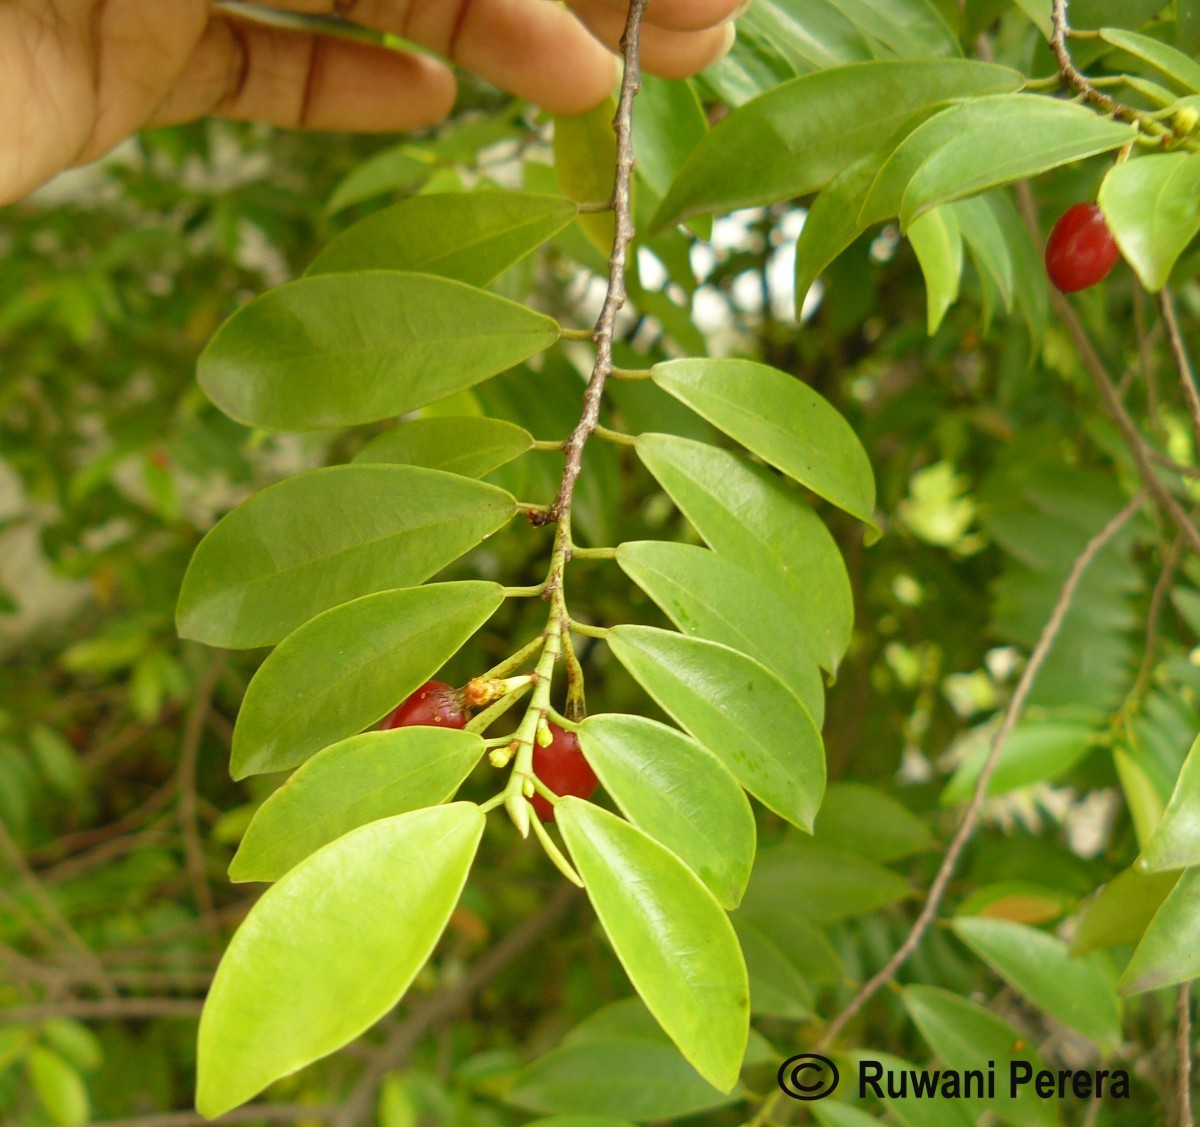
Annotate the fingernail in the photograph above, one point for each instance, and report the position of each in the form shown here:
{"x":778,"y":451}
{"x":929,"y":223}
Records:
{"x":730,"y":40}
{"x":741,"y":9}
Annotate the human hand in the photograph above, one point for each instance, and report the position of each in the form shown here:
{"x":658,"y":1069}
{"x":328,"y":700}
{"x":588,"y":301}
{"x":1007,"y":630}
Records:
{"x":79,"y":76}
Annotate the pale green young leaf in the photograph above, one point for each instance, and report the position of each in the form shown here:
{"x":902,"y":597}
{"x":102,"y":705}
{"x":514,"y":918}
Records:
{"x":326,"y":537}
{"x":367,"y":777}
{"x":1175,"y":843}
{"x":471,"y":236}
{"x":795,"y":138}
{"x":333,"y":350}
{"x":460,"y":444}
{"x":1118,"y":915}
{"x":783,"y":421}
{"x":585,"y":158}
{"x":680,"y":793}
{"x":672,"y":937}
{"x":738,"y":709}
{"x":59,"y":1088}
{"x":349,"y":666}
{"x":1169,"y":952}
{"x":330,"y":949}
{"x":756,"y":519}
{"x":938,"y":244}
{"x":965,"y":1035}
{"x":708,"y":596}
{"x":1076,"y":991}
{"x":1152,"y":206}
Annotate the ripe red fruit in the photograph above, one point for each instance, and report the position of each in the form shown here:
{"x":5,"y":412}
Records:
{"x":434,"y":704}
{"x":562,"y":767}
{"x":1081,"y":250}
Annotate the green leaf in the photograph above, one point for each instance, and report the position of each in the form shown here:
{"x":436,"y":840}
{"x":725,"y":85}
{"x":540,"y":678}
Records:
{"x":981,"y":143}
{"x":985,"y":237}
{"x":330,"y":949}
{"x":392,"y":170}
{"x":794,"y":139}
{"x":585,"y":157}
{"x":821,"y":884}
{"x":1035,"y":751}
{"x":581,"y":1121}
{"x":938,"y":245}
{"x":1177,"y":67}
{"x":670,"y":122}
{"x":1169,"y":952}
{"x":738,"y":709}
{"x":680,"y":793}
{"x":801,"y":941}
{"x":965,"y":1035}
{"x":672,"y":937}
{"x":333,"y":350}
{"x":1077,"y":992}
{"x":326,"y":537}
{"x":59,"y":1088}
{"x":463,"y":445}
{"x":349,"y":666}
{"x":906,"y":27}
{"x":1175,"y":843}
{"x":471,"y":236}
{"x":783,"y":421}
{"x":707,"y":596}
{"x":1152,"y":206}
{"x":777,"y":989}
{"x":1119,"y":915}
{"x":862,"y":819}
{"x":748,"y":515}
{"x":360,"y":780}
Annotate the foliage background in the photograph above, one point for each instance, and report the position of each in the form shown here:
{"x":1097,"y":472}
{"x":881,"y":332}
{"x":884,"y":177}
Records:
{"x":995,"y":462}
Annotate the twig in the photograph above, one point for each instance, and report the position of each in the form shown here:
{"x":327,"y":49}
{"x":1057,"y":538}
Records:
{"x":1172,"y":465}
{"x":967,"y":826}
{"x":1183,"y":367}
{"x":1069,"y":74}
{"x":1183,"y":1054}
{"x":1153,"y":615}
{"x":615,"y":298}
{"x":189,"y":823}
{"x":103,"y":1009}
{"x":442,"y":1007}
{"x":251,"y":1113}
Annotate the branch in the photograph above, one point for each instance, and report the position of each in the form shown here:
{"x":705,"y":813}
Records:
{"x":615,"y":298}
{"x":1183,"y":367}
{"x":967,"y":826}
{"x":103,"y":1009}
{"x":251,"y":1113}
{"x":442,"y":1007}
{"x":1183,"y":1052}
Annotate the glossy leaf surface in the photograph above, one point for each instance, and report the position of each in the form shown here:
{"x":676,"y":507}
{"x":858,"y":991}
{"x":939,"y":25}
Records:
{"x":1175,"y":843}
{"x":1169,"y":952}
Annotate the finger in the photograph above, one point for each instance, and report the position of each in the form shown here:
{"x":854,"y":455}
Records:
{"x":531,"y":48}
{"x":669,"y":54}
{"x":685,"y":15}
{"x":297,"y":80}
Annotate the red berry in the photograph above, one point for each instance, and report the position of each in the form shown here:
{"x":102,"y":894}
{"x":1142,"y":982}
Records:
{"x":1081,"y":250}
{"x":434,"y":704}
{"x":562,"y":767}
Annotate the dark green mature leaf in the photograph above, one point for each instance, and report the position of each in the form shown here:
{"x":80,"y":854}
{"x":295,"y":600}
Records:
{"x":330,"y":949}
{"x":981,"y":143}
{"x":360,"y":780}
{"x":821,"y":884}
{"x":349,"y":666}
{"x":796,"y":138}
{"x":461,"y":444}
{"x":708,"y":596}
{"x":471,"y":236}
{"x":750,"y":516}
{"x":907,"y":27}
{"x":325,"y":537}
{"x":338,"y":349}
{"x":669,"y":124}
{"x":1175,"y":843}
{"x":738,"y":709}
{"x":680,"y":793}
{"x":1077,"y":992}
{"x":1152,"y":206}
{"x":672,"y":937}
{"x":783,"y":421}
{"x":1169,"y":952}
{"x":1175,"y":66}
{"x":965,"y":1035}
{"x":938,"y":245}
{"x":862,"y":819}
